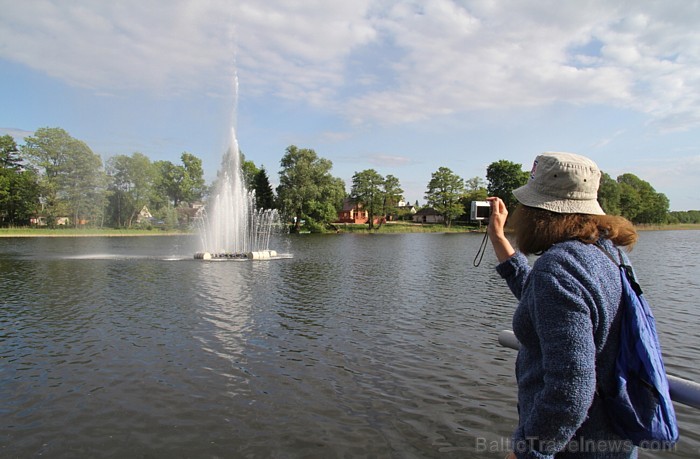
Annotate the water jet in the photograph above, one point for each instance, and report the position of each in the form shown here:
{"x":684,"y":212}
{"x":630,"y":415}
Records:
{"x":230,"y":226}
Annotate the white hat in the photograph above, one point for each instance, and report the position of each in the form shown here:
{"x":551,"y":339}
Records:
{"x":564,"y":183}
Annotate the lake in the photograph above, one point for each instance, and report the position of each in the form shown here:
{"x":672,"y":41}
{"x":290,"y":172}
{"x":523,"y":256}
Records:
{"x":360,"y":345}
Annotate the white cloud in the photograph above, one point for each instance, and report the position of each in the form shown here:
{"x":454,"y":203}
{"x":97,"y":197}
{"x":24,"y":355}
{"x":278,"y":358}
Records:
{"x":297,"y":50}
{"x":375,"y":60}
{"x":383,"y":160}
{"x":523,"y":57}
{"x":17,"y":134}
{"x":676,"y":171}
{"x":674,"y":176}
{"x":112,"y":46}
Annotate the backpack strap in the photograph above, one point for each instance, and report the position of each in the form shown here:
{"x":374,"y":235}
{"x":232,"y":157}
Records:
{"x":609,"y":255}
{"x":625,"y":267}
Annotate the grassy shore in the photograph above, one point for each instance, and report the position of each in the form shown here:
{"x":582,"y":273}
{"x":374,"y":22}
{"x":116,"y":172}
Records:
{"x":387,"y":228}
{"x":675,"y":226}
{"x":405,"y":227}
{"x":84,"y":232}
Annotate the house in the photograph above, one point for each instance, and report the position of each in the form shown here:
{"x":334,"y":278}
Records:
{"x":407,"y":208}
{"x":428,"y":215}
{"x":144,"y":215}
{"x":403,"y":210}
{"x":352,"y":212}
{"x":42,"y":221}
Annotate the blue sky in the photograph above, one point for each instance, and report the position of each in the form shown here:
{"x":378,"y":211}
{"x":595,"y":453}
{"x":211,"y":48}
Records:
{"x":402,"y":87}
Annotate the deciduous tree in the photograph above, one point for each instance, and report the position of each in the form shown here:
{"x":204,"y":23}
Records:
{"x":445,"y":190}
{"x":178,"y":183}
{"x":19,"y":192}
{"x":72,"y":180}
{"x":307,"y":190}
{"x":132,"y":182}
{"x":367,"y":189}
{"x":609,"y":195}
{"x":639,"y":201}
{"x":393,"y":193}
{"x":475,"y":191}
{"x":503,"y":177}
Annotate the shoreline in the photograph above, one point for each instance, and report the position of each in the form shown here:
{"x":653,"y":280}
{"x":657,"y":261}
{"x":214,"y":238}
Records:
{"x":359,"y":229}
{"x":58,"y":233}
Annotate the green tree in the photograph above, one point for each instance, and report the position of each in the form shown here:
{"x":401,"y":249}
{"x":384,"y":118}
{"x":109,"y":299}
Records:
{"x":393,"y":193}
{"x":72,"y":181}
{"x":688,"y":216}
{"x":445,"y":190}
{"x":630,"y":202}
{"x":474,"y":184}
{"x":367,"y":189}
{"x":9,"y":153}
{"x":132,"y":182}
{"x":264,"y":196}
{"x":324,"y":210}
{"x":192,"y":186}
{"x":19,"y":192}
{"x":249,"y":172}
{"x":609,"y":195}
{"x":180,"y":183}
{"x":22,"y":203}
{"x":639,"y":201}
{"x":307,"y":190}
{"x":475,"y":190}
{"x":167,"y":180}
{"x":503,"y":177}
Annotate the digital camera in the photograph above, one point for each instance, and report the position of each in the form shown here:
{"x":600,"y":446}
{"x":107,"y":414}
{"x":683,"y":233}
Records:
{"x":481,"y":210}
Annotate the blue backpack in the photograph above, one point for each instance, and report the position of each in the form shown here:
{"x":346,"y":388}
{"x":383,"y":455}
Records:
{"x":639,"y":404}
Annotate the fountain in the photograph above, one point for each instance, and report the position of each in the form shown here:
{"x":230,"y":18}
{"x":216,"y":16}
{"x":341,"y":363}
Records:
{"x":231,"y":228}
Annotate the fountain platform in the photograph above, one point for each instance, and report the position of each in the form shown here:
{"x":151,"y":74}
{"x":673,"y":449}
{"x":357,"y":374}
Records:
{"x":237,"y":256}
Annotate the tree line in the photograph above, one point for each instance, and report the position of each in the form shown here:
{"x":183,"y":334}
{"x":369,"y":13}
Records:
{"x":55,"y":179}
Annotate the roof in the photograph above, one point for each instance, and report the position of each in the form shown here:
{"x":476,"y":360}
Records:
{"x":350,"y":204}
{"x":428,"y":211}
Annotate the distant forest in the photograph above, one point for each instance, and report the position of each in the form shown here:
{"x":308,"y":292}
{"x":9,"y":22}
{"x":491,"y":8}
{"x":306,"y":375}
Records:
{"x":54,"y":179}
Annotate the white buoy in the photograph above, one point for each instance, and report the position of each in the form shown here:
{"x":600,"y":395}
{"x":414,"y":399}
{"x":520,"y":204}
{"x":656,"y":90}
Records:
{"x":261,"y":255}
{"x":202,"y":256}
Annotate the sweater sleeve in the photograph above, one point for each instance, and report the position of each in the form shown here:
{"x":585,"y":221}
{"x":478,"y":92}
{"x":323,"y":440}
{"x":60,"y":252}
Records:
{"x":515,"y":271}
{"x":562,"y":321}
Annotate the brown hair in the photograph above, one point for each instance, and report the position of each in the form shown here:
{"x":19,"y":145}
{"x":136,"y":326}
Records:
{"x":536,"y":230}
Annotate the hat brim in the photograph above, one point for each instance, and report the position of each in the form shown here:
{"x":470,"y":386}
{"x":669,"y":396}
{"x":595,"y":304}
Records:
{"x":532,"y":198}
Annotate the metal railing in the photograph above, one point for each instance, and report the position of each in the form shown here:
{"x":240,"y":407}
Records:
{"x":681,"y":390}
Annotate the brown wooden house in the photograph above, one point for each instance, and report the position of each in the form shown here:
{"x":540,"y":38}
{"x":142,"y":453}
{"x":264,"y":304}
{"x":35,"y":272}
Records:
{"x":352,"y":212}
{"x":428,"y":215}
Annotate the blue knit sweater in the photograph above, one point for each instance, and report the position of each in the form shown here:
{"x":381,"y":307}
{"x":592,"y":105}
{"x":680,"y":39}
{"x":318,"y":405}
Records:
{"x":567,"y":323}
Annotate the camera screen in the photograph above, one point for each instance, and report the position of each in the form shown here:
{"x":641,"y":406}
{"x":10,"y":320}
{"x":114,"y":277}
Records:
{"x":483,"y":211}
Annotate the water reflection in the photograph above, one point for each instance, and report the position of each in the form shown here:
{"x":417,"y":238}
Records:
{"x":361,"y":345}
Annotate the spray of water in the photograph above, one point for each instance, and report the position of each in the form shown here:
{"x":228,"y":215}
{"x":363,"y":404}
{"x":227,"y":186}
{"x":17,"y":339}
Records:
{"x":231,"y":224}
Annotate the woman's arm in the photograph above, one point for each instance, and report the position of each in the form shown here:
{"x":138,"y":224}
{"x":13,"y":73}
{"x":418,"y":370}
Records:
{"x":560,"y":310}
{"x":497,"y":223}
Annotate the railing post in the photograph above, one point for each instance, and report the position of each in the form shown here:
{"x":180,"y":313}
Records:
{"x":682,"y":390}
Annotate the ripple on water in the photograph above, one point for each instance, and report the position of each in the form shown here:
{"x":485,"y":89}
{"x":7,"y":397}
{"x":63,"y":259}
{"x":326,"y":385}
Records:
{"x":364,"y":346}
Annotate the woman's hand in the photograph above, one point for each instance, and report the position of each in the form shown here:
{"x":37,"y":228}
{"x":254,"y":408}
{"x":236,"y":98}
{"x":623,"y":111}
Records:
{"x":496,"y":231}
{"x":497,"y":220}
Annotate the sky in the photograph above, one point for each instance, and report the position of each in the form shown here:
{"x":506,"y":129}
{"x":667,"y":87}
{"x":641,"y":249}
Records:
{"x":401,"y":87}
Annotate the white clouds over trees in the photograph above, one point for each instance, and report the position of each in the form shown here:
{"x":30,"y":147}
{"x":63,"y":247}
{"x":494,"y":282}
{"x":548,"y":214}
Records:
{"x":372,"y":60}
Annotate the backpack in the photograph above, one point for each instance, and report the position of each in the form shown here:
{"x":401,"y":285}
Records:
{"x":639,"y":404}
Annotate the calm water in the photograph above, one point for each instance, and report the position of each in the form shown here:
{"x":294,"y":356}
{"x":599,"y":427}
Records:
{"x":378,"y":346}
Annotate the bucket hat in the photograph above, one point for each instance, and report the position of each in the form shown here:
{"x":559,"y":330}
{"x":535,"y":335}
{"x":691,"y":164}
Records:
{"x":564,"y":183}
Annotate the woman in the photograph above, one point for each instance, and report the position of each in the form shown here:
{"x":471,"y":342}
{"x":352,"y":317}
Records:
{"x":567,"y":318}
